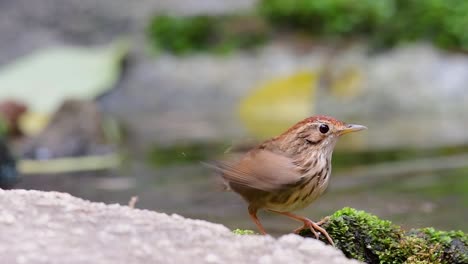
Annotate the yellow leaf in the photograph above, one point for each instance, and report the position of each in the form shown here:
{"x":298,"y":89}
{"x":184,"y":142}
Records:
{"x":277,"y":104}
{"x":32,"y":123}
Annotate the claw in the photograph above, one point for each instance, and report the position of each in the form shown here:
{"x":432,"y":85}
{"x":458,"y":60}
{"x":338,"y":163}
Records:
{"x":315,"y":227}
{"x":309,"y":224}
{"x":298,"y":231}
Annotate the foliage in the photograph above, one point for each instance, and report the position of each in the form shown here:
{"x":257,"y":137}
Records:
{"x":388,"y":22}
{"x":330,"y":17}
{"x":182,"y":35}
{"x":367,"y":238}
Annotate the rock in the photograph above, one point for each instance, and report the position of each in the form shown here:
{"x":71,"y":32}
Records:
{"x":365,"y":237}
{"x":43,"y":227}
{"x":75,"y":129}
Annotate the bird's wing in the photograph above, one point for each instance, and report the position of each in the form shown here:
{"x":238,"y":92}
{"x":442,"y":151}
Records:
{"x":261,"y":169}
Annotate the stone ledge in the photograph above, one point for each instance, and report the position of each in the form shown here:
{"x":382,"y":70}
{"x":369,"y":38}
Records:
{"x":50,"y":227}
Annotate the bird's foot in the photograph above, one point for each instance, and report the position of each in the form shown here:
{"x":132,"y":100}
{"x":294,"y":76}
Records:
{"x":298,"y":231}
{"x":305,"y":226}
{"x":315,"y":229}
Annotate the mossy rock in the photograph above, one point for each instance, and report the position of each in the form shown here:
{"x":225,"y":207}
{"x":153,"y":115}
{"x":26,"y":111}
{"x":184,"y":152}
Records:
{"x":367,"y":238}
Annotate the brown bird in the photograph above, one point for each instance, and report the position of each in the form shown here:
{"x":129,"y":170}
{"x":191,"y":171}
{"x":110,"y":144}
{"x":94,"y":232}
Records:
{"x":288,"y":172}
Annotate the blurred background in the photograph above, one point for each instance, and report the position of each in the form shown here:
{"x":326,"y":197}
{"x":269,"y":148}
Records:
{"x":112,"y":99}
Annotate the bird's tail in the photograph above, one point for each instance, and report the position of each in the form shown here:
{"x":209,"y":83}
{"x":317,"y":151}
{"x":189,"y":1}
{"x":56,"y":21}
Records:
{"x":221,"y":183}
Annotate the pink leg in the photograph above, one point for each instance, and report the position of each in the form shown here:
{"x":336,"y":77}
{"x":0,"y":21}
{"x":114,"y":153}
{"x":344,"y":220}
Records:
{"x":253,"y":215}
{"x":314,"y":227}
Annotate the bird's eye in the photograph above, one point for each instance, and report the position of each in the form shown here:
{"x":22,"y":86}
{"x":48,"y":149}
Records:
{"x":324,"y":128}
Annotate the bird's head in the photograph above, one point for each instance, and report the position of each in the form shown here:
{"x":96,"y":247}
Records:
{"x":317,"y":132}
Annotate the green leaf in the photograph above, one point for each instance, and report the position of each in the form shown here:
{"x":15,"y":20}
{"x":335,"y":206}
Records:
{"x":44,"y":79}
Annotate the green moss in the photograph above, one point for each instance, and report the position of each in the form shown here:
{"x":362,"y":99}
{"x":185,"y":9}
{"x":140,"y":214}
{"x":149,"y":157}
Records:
{"x":243,"y":232}
{"x":448,"y":247}
{"x":362,"y":236}
{"x":367,"y":238}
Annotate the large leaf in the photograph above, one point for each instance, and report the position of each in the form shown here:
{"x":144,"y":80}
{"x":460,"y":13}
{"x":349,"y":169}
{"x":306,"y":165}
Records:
{"x":279,"y":103}
{"x":45,"y":78}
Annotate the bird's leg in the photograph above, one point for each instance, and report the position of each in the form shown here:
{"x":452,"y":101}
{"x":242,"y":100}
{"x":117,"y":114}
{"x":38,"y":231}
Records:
{"x":314,"y":227}
{"x":253,"y":215}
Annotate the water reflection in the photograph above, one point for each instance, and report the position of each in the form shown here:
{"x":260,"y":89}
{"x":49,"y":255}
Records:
{"x":174,"y":182}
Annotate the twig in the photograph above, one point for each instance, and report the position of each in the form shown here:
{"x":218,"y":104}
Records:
{"x":133,"y":201}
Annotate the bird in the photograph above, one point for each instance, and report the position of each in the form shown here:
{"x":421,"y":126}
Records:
{"x":288,"y":172}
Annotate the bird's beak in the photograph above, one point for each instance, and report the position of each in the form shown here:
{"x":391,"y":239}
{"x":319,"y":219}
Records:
{"x":351,"y":128}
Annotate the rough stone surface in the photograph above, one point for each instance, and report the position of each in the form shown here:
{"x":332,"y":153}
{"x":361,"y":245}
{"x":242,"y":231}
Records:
{"x":50,"y":227}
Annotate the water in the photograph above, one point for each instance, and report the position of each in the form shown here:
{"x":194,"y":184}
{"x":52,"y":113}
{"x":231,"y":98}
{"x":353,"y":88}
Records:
{"x":409,"y":187}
